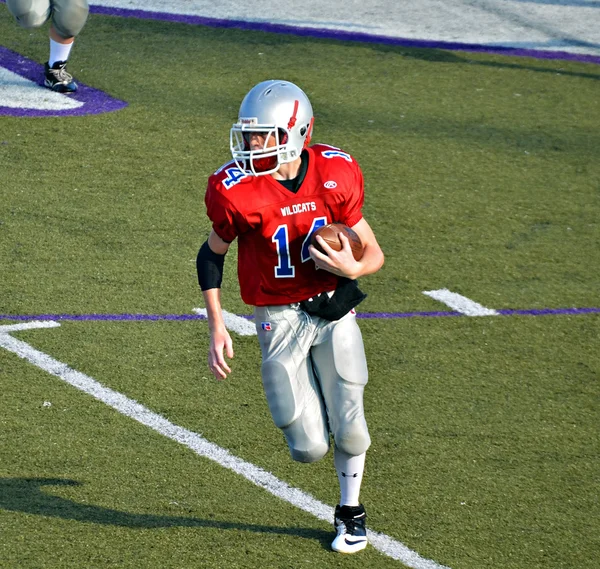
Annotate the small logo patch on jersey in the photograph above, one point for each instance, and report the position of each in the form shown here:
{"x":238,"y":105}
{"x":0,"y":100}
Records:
{"x":266,"y":326}
{"x":330,"y":184}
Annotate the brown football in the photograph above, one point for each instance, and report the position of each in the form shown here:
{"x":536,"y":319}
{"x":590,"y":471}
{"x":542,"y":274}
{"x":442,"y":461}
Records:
{"x":331,"y":235}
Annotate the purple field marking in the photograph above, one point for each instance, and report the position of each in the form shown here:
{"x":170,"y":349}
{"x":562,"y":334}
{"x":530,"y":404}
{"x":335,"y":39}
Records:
{"x":95,"y":101}
{"x":547,"y":311}
{"x":365,"y":315}
{"x":104,"y":317}
{"x":342,"y":35}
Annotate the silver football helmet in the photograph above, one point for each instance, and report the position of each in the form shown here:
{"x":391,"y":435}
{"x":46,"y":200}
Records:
{"x":282,"y":115}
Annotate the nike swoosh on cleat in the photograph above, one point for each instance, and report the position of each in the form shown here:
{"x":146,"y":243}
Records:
{"x":348,"y":542}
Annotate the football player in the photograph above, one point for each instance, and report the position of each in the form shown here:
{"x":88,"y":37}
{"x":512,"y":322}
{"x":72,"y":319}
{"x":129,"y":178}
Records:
{"x":68,"y":18}
{"x":275,"y":192}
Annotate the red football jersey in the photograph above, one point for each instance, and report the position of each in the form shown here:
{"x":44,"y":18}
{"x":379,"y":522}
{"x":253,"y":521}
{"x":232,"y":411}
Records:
{"x":273,"y":224}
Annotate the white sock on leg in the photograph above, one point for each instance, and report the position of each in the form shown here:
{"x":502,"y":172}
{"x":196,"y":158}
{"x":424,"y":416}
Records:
{"x":59,"y":52}
{"x":350,"y":471}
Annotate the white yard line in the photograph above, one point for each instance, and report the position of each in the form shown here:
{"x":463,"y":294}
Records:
{"x":134,"y":410}
{"x":460,"y":303}
{"x":233,"y":322}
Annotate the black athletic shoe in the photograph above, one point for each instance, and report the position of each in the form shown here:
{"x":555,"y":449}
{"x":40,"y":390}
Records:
{"x":57,"y":78}
{"x":351,"y":531}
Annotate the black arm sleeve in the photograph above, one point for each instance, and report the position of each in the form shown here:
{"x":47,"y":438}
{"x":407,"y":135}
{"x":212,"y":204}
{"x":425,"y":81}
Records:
{"x":210,"y":267}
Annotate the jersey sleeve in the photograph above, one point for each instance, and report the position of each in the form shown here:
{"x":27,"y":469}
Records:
{"x":227,"y":223}
{"x":336,"y":164}
{"x":355,"y":197}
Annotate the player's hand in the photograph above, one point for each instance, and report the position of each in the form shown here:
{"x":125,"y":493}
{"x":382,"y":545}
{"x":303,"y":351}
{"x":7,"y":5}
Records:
{"x":341,"y":263}
{"x":220,"y":341}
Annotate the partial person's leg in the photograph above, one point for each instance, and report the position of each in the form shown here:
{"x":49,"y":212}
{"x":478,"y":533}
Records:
{"x":60,"y":48}
{"x":68,"y":19}
{"x":29,"y":13}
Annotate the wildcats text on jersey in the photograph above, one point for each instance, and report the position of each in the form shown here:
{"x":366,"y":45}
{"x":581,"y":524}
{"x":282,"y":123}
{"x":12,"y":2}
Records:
{"x":298,"y":208}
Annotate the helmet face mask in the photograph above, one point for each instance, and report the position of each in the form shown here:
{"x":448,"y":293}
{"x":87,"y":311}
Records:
{"x":280,"y":112}
{"x":260,"y":161}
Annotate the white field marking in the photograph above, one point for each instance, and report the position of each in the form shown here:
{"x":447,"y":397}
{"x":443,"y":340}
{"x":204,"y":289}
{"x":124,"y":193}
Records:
{"x":550,"y":25}
{"x":130,"y":408}
{"x":460,"y":303}
{"x":17,"y":92}
{"x":233,"y":322}
{"x":28,"y":326}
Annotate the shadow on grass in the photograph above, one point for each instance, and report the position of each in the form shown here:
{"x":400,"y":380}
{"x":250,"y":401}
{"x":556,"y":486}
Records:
{"x":26,"y":495}
{"x":237,"y":36}
{"x":435,"y":55}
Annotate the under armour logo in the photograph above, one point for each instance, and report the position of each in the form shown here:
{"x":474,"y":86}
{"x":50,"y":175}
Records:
{"x":349,"y":475}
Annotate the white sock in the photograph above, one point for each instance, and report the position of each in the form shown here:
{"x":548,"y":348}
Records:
{"x":59,"y":52}
{"x":350,"y":471}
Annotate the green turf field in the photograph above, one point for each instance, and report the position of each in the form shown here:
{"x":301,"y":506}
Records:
{"x":482,"y":176}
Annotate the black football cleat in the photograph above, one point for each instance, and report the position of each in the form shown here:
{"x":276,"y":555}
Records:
{"x":57,"y":78}
{"x":351,"y":530}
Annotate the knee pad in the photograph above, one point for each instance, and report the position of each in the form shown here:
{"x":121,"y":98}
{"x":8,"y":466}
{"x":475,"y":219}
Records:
{"x":30,"y":13}
{"x":353,"y":438}
{"x":348,"y":422}
{"x":69,"y":16}
{"x":306,"y":446}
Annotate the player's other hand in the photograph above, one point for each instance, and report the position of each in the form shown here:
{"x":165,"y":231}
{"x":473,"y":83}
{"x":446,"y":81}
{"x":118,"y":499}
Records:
{"x":220,"y":344}
{"x":340,"y":262}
